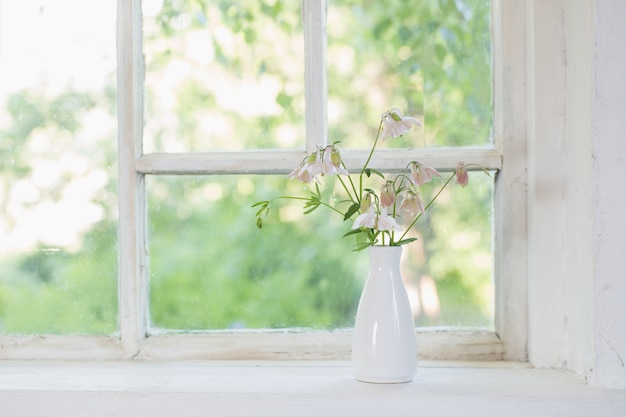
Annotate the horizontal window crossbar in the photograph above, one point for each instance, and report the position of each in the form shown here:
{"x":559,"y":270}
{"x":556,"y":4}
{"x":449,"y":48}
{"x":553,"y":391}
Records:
{"x":282,"y":162}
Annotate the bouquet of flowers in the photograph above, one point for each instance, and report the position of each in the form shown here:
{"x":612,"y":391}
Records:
{"x":374,"y":214}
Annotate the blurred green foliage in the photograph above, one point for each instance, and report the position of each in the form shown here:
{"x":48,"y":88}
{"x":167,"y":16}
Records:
{"x":209,"y":266}
{"x":430,"y":58}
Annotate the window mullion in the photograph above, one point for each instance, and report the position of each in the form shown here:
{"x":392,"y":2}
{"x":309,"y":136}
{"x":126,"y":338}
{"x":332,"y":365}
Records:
{"x":132,"y":268}
{"x":314,"y":20}
{"x":511,"y":310}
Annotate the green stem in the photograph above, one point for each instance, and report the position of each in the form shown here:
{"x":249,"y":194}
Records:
{"x":331,"y":207}
{"x":356,"y":193}
{"x":287,"y":197}
{"x":345,"y":187}
{"x":290,"y":197}
{"x":427,"y":205}
{"x":369,"y":158}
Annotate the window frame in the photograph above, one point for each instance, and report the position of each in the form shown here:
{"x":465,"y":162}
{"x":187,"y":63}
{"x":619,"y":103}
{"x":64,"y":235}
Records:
{"x":508,"y":341}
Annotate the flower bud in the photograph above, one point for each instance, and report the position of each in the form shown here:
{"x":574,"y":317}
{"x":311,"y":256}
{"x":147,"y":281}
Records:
{"x":335,"y":157}
{"x":387,"y":195}
{"x":394,"y":115}
{"x":366,"y":203}
{"x":461,"y":174}
{"x":312,"y":158}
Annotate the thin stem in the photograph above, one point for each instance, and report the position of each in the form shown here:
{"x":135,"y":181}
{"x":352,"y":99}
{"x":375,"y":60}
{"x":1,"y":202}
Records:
{"x":287,"y":197}
{"x":356,"y":193}
{"x":428,"y":205}
{"x":369,"y":158}
{"x":331,"y":207}
{"x":343,"y":184}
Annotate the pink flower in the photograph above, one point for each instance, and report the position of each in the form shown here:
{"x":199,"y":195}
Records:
{"x":309,"y":169}
{"x":301,"y":174}
{"x":461,"y":174}
{"x":387,"y":195}
{"x":394,"y":124}
{"x":412,"y":203}
{"x":387,"y":222}
{"x":422,"y":174}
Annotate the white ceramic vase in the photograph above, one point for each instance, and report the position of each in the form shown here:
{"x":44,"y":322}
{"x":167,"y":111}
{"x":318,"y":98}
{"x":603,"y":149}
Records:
{"x":384,"y":346}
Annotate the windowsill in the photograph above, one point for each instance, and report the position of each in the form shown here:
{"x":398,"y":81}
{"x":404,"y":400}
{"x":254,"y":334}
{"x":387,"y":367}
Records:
{"x":290,"y":388}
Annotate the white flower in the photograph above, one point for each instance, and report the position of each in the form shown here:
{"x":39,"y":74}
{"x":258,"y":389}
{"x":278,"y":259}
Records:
{"x":394,"y":124}
{"x":332,"y":162}
{"x":316,"y":165}
{"x":387,"y":222}
{"x":367,"y":220}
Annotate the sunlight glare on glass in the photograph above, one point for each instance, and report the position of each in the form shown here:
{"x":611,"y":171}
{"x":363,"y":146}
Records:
{"x":58,"y":117}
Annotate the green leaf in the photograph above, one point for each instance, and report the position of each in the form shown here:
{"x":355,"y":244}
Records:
{"x":353,"y":232}
{"x":360,"y":246}
{"x":370,"y":171}
{"x":351,"y":210}
{"x":405,"y":241}
{"x":311,"y":210}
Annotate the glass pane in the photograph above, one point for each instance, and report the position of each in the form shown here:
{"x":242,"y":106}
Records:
{"x":211,"y":268}
{"x":430,"y":58}
{"x":223,"y":75}
{"x":58,"y":204}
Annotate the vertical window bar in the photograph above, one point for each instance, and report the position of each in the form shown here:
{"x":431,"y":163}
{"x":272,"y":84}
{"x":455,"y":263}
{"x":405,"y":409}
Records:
{"x":132,"y":254}
{"x":314,"y":20}
{"x":510,"y":272}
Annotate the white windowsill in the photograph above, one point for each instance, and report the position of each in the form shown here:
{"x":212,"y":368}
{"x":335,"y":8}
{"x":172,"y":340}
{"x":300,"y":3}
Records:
{"x":290,"y":388}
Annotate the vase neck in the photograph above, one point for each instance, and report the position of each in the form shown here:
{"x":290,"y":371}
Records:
{"x":385,"y":256}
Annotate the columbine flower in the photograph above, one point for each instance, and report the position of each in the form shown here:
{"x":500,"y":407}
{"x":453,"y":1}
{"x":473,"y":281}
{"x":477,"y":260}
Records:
{"x":387,"y":195}
{"x":367,"y":220}
{"x":412,"y":203}
{"x":374,"y":224}
{"x":461,"y":174}
{"x":332,"y":162}
{"x":394,"y":124}
{"x":301,"y":173}
{"x":387,"y":222}
{"x":314,"y":164}
{"x":422,"y":174}
{"x":309,"y":169}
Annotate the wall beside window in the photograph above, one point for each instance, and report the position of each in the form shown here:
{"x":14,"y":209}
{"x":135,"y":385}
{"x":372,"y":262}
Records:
{"x":576,"y":153}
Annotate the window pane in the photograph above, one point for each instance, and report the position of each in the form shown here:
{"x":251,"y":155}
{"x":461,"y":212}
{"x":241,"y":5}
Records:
{"x":223,"y":75}
{"x":430,"y":58}
{"x":212,"y":269}
{"x":57,"y":167}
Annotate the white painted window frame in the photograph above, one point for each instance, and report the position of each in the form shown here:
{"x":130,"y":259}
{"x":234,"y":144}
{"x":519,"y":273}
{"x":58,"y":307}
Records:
{"x":510,"y":337}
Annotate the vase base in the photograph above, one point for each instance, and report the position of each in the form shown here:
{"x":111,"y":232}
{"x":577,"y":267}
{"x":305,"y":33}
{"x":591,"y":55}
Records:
{"x":384,"y":380}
